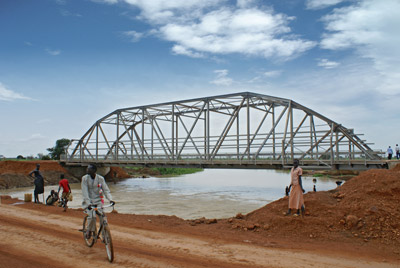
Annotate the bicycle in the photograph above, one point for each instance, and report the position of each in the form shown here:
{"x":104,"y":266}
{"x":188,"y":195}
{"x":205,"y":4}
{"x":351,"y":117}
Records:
{"x":103,"y":233}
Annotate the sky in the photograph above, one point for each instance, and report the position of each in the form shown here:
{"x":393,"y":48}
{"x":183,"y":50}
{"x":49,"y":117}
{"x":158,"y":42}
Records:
{"x":66,"y":63}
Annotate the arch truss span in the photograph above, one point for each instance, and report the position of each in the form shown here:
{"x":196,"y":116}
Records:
{"x":236,"y":130}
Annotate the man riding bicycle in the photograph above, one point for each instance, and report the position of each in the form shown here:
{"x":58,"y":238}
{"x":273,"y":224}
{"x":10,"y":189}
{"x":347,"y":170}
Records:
{"x":94,"y":188}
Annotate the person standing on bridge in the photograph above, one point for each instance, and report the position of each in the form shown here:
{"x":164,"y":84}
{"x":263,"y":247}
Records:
{"x":94,"y":188}
{"x":390,"y":153}
{"x":39,"y":183}
{"x":296,"y":200}
{"x":397,"y":149}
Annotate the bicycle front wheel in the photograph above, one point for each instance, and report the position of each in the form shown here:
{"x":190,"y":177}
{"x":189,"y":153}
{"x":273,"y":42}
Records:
{"x":108,"y":242}
{"x":88,"y":240}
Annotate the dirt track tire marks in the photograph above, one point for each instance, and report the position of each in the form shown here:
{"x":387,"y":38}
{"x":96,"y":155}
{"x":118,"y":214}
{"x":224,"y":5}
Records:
{"x":37,"y":238}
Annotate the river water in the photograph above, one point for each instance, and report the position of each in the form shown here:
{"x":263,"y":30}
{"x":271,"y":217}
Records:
{"x":213,"y":193}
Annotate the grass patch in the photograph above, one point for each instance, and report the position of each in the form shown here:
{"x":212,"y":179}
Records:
{"x":160,"y":171}
{"x":177,"y":171}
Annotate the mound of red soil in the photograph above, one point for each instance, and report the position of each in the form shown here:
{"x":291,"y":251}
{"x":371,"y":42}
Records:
{"x":24,"y":167}
{"x":15,"y":173}
{"x":117,"y":173}
{"x":364,"y":209}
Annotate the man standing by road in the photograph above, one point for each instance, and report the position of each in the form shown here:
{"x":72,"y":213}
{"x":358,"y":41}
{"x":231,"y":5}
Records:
{"x":39,"y":183}
{"x":93,"y":188}
{"x":66,"y":191}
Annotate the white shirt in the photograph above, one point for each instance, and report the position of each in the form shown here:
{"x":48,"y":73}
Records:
{"x":91,"y":190}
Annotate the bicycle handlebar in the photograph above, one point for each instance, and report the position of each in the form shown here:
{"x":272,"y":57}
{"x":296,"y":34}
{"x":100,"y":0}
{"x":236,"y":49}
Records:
{"x":112,"y":204}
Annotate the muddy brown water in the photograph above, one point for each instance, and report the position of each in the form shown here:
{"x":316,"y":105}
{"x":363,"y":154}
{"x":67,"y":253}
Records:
{"x":213,"y":193}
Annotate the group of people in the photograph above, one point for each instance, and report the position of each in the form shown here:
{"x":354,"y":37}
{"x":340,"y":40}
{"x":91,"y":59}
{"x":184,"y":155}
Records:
{"x":39,"y":188}
{"x":390,"y":152}
{"x":94,"y":189}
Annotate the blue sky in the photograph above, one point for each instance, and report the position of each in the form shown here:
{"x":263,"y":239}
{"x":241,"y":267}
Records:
{"x":66,"y":63}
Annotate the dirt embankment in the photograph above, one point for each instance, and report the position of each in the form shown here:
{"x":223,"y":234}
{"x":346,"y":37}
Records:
{"x":15,"y":174}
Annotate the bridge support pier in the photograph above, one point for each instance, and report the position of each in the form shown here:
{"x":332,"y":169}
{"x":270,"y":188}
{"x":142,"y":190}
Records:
{"x":79,"y":171}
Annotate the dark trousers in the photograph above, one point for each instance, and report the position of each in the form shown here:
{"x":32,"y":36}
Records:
{"x":398,"y":155}
{"x":389,"y":156}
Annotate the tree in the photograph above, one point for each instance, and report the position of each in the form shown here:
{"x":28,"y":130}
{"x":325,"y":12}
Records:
{"x":20,"y":157}
{"x":59,"y":149}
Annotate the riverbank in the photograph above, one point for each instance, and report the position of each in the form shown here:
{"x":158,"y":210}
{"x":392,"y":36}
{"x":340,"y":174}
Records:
{"x":354,"y":225}
{"x":15,"y":174}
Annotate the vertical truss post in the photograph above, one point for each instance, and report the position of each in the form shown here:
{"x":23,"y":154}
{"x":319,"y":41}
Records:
{"x":142,"y":141}
{"x":132,"y":144}
{"x":176,"y":136}
{"x":117,"y":140}
{"x":237,"y":137}
{"x":284,"y":136}
{"x":273,"y":132}
{"x":248,"y":127}
{"x":337,"y":145}
{"x":208,"y":130}
{"x":97,"y":141}
{"x":350,"y":150}
{"x":80,"y":150}
{"x":152,"y":143}
{"x":311,"y":137}
{"x":173,"y":132}
{"x":331,"y":144}
{"x":291,"y":133}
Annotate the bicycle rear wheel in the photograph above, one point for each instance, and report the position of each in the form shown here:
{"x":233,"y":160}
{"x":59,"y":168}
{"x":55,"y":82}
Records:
{"x":108,"y":242}
{"x":89,"y":241}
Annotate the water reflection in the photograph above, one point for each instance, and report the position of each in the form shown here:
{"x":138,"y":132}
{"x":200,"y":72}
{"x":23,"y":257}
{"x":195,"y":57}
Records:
{"x":213,"y":193}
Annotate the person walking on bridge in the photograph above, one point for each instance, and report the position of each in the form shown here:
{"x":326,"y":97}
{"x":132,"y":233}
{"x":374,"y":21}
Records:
{"x":296,"y":200}
{"x":39,"y":183}
{"x":390,"y":152}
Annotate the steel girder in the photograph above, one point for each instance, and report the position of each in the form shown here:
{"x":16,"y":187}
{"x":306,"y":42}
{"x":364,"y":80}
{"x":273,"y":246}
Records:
{"x":241,"y":128}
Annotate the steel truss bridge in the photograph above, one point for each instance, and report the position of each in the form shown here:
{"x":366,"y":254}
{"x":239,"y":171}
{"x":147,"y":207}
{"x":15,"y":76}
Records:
{"x":242,"y":130}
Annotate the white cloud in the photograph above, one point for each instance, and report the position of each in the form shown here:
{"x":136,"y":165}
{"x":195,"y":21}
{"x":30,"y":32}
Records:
{"x":371,"y":28}
{"x":271,"y":74}
{"x":133,"y":36}
{"x":199,"y":28}
{"x":319,"y":4}
{"x":181,"y":50}
{"x":9,"y":95}
{"x":245,"y":3}
{"x":106,"y":1}
{"x":53,"y":52}
{"x":61,"y":2}
{"x":327,"y":64}
{"x":246,"y":31}
{"x":222,"y":78}
{"x":33,"y":137}
{"x":163,"y":11}
{"x":67,"y":13}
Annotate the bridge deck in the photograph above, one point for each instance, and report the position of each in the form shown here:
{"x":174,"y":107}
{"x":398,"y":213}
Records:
{"x":240,"y":164}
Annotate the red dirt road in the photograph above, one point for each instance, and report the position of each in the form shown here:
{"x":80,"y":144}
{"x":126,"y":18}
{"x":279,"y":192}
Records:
{"x":40,"y":236}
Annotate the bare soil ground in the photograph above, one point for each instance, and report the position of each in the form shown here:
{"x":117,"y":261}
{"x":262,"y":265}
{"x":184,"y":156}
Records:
{"x":354,"y":225}
{"x":40,"y":236}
